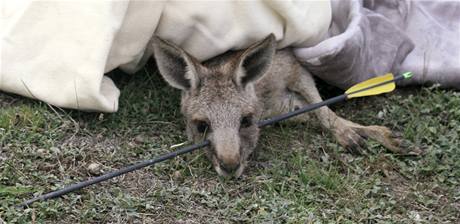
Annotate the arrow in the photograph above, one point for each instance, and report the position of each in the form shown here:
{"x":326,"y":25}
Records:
{"x":370,"y":87}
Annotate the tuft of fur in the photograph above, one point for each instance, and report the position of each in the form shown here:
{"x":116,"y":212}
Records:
{"x":229,"y":93}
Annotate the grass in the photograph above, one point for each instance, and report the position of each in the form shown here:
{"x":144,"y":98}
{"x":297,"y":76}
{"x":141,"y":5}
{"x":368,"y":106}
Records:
{"x":298,"y":175}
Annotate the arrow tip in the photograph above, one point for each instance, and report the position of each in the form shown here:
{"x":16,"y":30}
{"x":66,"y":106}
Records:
{"x":408,"y":75}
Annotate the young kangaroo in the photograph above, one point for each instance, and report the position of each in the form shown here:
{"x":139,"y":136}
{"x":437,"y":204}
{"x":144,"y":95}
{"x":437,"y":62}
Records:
{"x":224,"y":97}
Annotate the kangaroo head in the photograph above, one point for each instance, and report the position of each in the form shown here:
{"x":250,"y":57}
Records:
{"x":219,"y":100}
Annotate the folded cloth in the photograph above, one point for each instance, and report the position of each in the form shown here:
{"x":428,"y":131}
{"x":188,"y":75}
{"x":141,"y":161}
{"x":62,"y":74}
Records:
{"x":58,"y":51}
{"x":434,"y":27}
{"x":369,"y":38}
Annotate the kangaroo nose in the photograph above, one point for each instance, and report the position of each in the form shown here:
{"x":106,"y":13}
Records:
{"x":229,"y":167}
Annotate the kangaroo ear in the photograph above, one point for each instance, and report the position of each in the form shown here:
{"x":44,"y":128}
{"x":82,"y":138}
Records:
{"x":256,"y":60}
{"x":175,"y":65}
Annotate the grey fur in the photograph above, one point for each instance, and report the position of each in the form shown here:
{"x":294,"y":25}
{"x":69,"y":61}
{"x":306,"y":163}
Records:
{"x":255,"y":82}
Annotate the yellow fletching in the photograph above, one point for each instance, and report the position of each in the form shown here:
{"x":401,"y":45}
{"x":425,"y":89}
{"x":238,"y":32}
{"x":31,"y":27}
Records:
{"x":372,"y":91}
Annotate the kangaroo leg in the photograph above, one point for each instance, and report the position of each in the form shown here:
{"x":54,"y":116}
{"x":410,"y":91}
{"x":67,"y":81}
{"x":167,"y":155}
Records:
{"x":347,"y":133}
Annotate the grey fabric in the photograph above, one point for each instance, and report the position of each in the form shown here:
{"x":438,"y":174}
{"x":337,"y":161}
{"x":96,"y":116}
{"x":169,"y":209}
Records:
{"x":370,"y":38}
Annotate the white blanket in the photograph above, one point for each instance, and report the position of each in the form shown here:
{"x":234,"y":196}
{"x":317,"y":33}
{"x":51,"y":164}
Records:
{"x":58,"y":51}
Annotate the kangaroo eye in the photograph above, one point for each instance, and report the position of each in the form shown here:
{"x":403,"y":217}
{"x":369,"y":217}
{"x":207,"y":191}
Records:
{"x":202,"y":126}
{"x":246,"y":121}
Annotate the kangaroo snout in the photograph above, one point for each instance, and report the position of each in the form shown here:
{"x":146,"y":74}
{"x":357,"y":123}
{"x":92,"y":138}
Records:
{"x":230,"y":165}
{"x":226,"y":146}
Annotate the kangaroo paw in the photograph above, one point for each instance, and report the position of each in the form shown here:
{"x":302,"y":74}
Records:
{"x":391,"y":140}
{"x":350,"y":139}
{"x":352,"y":136}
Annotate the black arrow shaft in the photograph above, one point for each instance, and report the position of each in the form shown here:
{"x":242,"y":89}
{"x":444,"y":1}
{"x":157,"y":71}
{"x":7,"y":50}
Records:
{"x":192,"y":148}
{"x":116,"y":173}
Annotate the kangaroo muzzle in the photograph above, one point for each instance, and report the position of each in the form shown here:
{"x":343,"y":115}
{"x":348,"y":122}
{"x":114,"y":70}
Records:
{"x":226,"y":144}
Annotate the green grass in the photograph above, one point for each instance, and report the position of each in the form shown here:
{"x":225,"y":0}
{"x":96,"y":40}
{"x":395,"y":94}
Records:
{"x":298,"y":175}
